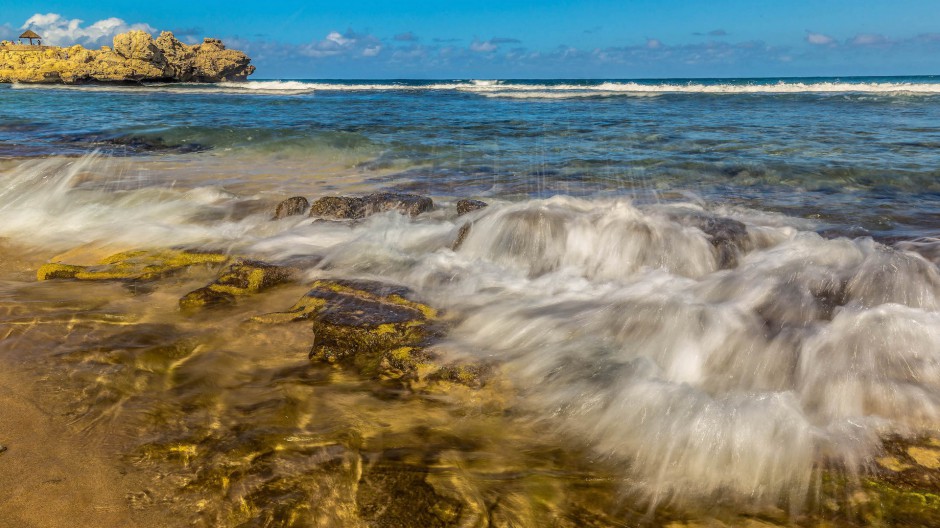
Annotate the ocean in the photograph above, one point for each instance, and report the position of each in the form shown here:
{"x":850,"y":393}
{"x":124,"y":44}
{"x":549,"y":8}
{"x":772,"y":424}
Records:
{"x":698,"y":300}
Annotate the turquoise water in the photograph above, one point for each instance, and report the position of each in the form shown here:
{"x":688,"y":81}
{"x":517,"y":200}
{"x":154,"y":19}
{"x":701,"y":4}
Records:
{"x":857,"y":153}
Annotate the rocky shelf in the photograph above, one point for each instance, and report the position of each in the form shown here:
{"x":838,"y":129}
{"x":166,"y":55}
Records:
{"x":135,"y":57}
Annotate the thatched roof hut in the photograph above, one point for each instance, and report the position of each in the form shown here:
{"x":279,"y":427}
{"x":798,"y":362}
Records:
{"x":30,"y":34}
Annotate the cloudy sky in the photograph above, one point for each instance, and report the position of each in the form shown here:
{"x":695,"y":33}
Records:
{"x":525,"y":39}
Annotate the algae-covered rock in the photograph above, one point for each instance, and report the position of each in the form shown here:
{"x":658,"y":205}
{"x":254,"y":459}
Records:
{"x":900,"y":488}
{"x":143,"y":265}
{"x":294,"y":205}
{"x":379,"y":329}
{"x":353,"y":208}
{"x":244,"y":277}
{"x":206,"y":297}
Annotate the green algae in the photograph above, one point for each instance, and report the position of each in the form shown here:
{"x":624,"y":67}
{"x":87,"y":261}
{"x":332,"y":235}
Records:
{"x":142,"y":265}
{"x":241,"y":278}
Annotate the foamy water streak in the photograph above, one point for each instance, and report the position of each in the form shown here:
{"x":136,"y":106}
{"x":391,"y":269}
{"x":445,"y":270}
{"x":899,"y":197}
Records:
{"x":518,"y":90}
{"x":234,"y":88}
{"x":60,"y":203}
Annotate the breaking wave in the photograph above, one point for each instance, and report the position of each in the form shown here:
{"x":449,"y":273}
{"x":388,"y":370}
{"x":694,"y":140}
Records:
{"x":531,"y":89}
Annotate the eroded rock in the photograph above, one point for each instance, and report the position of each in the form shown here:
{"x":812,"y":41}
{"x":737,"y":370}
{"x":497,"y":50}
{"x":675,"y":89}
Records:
{"x":135,"y":57}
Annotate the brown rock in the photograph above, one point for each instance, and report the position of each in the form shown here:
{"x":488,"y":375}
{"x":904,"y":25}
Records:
{"x":292,"y":206}
{"x":467,"y":206}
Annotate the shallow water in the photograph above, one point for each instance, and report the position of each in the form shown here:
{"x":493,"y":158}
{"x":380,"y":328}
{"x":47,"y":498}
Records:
{"x":697,"y":304}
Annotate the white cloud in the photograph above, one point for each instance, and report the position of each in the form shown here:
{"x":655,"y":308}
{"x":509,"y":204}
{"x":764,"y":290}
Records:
{"x":818,"y":39}
{"x":484,"y":46}
{"x":59,"y":31}
{"x":349,"y":44}
{"x":652,"y":43}
{"x":869,"y":39}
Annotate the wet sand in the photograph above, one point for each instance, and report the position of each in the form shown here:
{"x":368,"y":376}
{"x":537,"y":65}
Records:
{"x":45,"y":482}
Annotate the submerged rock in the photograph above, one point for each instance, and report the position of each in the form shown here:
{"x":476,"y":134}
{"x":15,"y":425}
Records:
{"x":135,"y":57}
{"x":142,"y":265}
{"x":243,"y":277}
{"x":295,"y":205}
{"x":352,"y":208}
{"x":728,"y":236}
{"x":901,"y":488}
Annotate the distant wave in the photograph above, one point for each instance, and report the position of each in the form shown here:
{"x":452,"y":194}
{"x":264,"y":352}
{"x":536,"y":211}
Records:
{"x":523,"y":90}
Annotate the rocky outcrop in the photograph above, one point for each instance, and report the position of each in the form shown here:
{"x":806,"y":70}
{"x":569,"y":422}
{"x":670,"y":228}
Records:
{"x":135,"y":57}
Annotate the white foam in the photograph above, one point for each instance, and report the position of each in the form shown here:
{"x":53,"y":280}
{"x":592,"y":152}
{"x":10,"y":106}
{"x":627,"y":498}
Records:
{"x":495,"y":88}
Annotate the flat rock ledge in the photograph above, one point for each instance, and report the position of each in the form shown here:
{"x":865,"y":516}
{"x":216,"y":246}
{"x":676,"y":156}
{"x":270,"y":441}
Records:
{"x":135,"y":57}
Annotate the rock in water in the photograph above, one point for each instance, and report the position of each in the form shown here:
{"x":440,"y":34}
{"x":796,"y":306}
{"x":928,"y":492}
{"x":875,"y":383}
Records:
{"x":468,"y":206}
{"x":140,"y":265}
{"x":292,"y":206}
{"x":352,"y":208}
{"x":244,"y":277}
{"x":410,"y":204}
{"x":135,"y":57}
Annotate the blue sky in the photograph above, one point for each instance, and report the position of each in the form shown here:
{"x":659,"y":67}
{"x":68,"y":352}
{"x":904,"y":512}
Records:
{"x":525,"y":39}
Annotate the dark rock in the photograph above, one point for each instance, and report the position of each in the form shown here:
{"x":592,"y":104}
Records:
{"x":381,"y":331}
{"x":243,"y":277}
{"x":295,"y":205}
{"x":377,"y":328}
{"x":467,"y":206}
{"x":372,"y":326}
{"x":351,"y":207}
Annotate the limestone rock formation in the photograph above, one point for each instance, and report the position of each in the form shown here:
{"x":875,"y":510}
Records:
{"x":135,"y":57}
